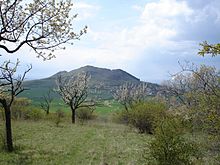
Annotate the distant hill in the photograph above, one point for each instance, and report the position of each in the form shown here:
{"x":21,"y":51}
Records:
{"x":107,"y":80}
{"x":107,"y":77}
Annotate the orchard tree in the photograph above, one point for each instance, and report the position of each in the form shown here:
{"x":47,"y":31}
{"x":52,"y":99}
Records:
{"x":43,"y":25}
{"x":11,"y":85}
{"x":177,"y":87}
{"x":196,"y":91}
{"x":191,"y":81}
{"x":74,"y":92}
{"x":47,"y":100}
{"x":129,"y":94}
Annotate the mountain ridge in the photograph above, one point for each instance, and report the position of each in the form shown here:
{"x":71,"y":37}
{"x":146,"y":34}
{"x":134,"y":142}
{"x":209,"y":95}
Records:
{"x":109,"y":79}
{"x":89,"y":68}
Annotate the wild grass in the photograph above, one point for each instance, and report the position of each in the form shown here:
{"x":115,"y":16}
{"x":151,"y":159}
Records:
{"x":91,"y":144}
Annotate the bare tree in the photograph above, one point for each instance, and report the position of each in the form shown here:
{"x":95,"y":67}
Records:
{"x":43,"y":25}
{"x":74,"y":92}
{"x":47,"y":100}
{"x":11,"y":85}
{"x":129,"y":94}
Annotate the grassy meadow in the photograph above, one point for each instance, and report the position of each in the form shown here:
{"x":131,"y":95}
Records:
{"x":42,"y":142}
{"x":100,"y":141}
{"x":105,"y":108}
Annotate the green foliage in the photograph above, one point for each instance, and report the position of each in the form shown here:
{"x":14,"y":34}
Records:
{"x":210,"y":116}
{"x":197,"y":94}
{"x":205,"y":117}
{"x":32,"y":113}
{"x":169,"y":146}
{"x":213,"y":49}
{"x":121,"y":117}
{"x":85,"y":114}
{"x":144,"y":116}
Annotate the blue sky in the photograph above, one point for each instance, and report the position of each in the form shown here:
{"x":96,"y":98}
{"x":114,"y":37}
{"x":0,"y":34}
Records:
{"x":146,"y":38}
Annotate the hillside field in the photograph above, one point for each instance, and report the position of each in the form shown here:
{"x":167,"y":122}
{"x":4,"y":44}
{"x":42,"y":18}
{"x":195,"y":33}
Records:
{"x":105,"y":107}
{"x":92,"y":144}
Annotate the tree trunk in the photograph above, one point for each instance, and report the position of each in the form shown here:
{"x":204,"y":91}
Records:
{"x":47,"y":111}
{"x":8,"y":128}
{"x":73,"y":115}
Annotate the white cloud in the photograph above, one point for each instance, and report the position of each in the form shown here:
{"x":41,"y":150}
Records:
{"x":86,"y":10}
{"x":210,"y":10}
{"x":82,"y":5}
{"x":166,"y":9}
{"x":160,"y":19}
{"x":156,"y":26}
{"x":137,"y":7}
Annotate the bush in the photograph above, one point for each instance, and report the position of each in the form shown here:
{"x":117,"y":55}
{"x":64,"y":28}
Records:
{"x":169,"y":146}
{"x":121,"y":117}
{"x":85,"y":114}
{"x":32,"y":114}
{"x":144,"y":116}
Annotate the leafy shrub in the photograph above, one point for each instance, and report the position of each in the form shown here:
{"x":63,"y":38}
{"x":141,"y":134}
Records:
{"x":121,"y":117}
{"x":32,"y":114}
{"x":85,"y":114}
{"x":144,"y":116}
{"x":169,"y":146}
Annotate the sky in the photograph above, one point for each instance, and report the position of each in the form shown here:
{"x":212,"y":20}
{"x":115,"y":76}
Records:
{"x":146,"y":38}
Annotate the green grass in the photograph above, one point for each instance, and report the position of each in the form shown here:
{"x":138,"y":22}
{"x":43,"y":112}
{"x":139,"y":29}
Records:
{"x":91,"y":144}
{"x":104,"y":109}
{"x":108,"y":107}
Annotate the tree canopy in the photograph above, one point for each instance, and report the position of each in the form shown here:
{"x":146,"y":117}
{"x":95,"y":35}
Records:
{"x":43,"y":25}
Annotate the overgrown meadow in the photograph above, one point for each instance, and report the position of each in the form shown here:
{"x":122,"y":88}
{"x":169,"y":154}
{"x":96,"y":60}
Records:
{"x":104,"y":139}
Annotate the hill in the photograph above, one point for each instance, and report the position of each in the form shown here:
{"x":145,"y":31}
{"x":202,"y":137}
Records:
{"x":107,"y":80}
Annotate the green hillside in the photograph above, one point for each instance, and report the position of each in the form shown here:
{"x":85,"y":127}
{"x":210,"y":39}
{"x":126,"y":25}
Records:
{"x":105,"y":79}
